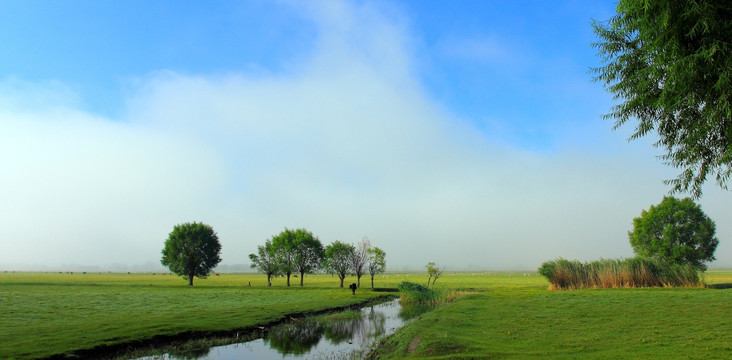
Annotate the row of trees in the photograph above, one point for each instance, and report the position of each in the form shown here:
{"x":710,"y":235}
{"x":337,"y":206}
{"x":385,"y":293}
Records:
{"x":193,"y":250}
{"x":299,"y":252}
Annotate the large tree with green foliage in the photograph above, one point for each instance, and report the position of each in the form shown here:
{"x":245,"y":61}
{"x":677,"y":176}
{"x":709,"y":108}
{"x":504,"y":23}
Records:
{"x":675,"y":231}
{"x":285,"y":249}
{"x":265,"y":260}
{"x":309,"y":253}
{"x":377,"y":262}
{"x":670,"y":63}
{"x":192,"y":249}
{"x":338,"y":259}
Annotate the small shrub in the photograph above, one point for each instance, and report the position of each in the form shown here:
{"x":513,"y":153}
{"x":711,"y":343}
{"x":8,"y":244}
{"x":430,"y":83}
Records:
{"x":412,"y":293}
{"x":608,"y":273}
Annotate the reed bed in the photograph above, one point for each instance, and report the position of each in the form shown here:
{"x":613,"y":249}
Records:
{"x":623,"y":273}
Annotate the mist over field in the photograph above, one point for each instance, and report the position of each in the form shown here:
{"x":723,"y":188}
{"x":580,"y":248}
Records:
{"x":351,"y":132}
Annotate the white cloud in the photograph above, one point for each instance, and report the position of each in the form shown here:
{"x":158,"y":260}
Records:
{"x":348,"y":145}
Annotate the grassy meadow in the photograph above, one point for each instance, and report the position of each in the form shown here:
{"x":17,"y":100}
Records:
{"x":504,"y":315}
{"x":516,"y":317}
{"x":49,"y":314}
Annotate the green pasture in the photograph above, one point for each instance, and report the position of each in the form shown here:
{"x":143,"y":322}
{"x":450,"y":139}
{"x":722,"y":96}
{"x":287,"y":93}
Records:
{"x":515,"y":317}
{"x":48,"y":314}
{"x":506,"y":314}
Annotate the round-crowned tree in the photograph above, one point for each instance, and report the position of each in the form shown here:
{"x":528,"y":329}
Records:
{"x":192,"y":249}
{"x":676,"y":231}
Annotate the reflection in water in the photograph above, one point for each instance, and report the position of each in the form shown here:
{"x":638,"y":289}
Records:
{"x":189,"y":354}
{"x":296,"y":338}
{"x":317,"y":337}
{"x":300,"y":337}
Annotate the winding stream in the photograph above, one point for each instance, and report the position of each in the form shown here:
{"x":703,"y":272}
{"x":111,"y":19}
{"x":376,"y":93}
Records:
{"x":331,"y":336}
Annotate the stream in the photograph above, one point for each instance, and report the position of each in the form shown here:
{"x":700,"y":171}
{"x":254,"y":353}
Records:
{"x":332,"y":336}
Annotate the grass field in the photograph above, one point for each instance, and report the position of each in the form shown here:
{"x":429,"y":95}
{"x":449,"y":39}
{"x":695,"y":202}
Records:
{"x":517,"y":318}
{"x":48,"y":314}
{"x":510,"y":315}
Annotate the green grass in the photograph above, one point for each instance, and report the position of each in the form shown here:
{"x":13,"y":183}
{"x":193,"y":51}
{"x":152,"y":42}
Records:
{"x":516,"y":317}
{"x":511,"y":314}
{"x":48,"y":314}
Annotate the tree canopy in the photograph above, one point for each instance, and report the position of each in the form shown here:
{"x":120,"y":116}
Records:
{"x":434,"y":272}
{"x":265,"y":260}
{"x":192,"y":249}
{"x":284,"y":245}
{"x":338,"y":259}
{"x":670,"y":63}
{"x":377,"y":262}
{"x":309,"y":253}
{"x":675,"y":231}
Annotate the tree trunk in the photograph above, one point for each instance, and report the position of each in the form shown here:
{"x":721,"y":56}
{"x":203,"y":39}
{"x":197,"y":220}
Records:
{"x":302,"y":276}
{"x":288,"y":279}
{"x":190,"y":280}
{"x":341,"y":277}
{"x":358,"y":281}
{"x":269,"y":280}
{"x":372,"y":282}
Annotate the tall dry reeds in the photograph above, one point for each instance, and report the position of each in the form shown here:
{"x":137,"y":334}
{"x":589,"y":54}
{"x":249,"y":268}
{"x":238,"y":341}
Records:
{"x":610,"y":273}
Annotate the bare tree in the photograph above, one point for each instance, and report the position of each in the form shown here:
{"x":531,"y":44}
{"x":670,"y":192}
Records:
{"x":360,"y":258}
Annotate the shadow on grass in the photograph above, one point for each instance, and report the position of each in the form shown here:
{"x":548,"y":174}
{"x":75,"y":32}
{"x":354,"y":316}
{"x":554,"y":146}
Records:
{"x":720,"y":286}
{"x":385,"y":289}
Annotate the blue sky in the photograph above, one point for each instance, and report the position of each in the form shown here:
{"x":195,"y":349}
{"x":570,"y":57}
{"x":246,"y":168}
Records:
{"x":467,"y":133}
{"x":482,"y":59}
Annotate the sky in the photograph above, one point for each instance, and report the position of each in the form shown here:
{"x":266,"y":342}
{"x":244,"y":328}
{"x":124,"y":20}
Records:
{"x":466,"y":133}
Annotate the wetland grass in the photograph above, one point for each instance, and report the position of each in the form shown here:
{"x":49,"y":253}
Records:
{"x":627,"y":273}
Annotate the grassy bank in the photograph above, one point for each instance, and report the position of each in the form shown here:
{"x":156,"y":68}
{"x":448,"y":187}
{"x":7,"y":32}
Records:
{"x":48,"y":314}
{"x":515,"y":317}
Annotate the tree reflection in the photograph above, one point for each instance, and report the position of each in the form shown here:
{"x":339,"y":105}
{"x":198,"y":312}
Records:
{"x":296,"y":338}
{"x":338,"y":331}
{"x":300,"y":337}
{"x":189,"y":354}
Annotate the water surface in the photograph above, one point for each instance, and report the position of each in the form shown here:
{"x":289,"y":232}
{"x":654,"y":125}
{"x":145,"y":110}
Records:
{"x":316,"y":337}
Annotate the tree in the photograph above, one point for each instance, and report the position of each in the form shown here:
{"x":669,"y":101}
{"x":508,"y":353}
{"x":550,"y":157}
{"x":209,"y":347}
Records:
{"x":284,"y":245}
{"x":434,"y":271}
{"x":338,"y":259}
{"x":675,"y":231}
{"x":309,"y":253}
{"x":359,"y":259}
{"x":266,"y":261}
{"x":192,"y":249}
{"x":377,"y":263}
{"x":670,"y":62}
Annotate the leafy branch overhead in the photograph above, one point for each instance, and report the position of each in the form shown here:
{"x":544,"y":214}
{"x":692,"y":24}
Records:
{"x":670,"y":65}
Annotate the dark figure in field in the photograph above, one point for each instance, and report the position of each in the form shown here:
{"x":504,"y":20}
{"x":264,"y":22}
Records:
{"x":353,"y":288}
